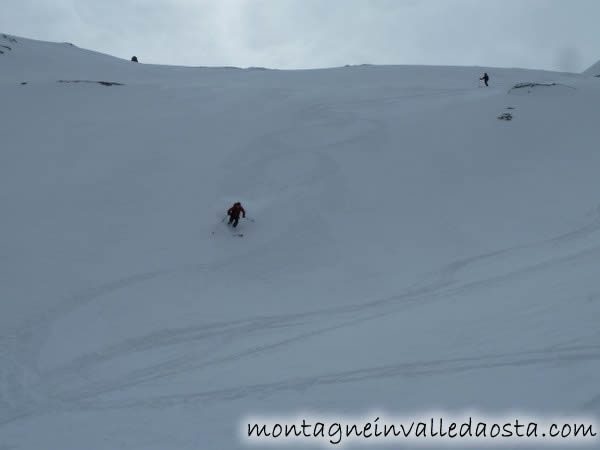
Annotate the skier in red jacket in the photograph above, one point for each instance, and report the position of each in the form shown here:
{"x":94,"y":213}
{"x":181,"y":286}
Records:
{"x":234,"y":213}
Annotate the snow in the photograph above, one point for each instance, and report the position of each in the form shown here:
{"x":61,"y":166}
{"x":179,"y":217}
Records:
{"x":593,"y":70}
{"x":407,"y":250}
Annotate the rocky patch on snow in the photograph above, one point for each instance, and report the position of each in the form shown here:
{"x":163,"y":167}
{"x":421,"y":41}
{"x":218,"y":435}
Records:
{"x":103,"y":83}
{"x":9,"y":39}
{"x":529,"y":87}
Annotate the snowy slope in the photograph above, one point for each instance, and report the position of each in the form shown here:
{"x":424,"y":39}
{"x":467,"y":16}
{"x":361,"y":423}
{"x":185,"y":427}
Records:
{"x":408,"y":250}
{"x":593,"y":70}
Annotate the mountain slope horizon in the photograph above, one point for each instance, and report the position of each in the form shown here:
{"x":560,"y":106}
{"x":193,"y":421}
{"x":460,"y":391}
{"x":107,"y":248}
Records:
{"x":40,"y":46}
{"x":593,"y":70}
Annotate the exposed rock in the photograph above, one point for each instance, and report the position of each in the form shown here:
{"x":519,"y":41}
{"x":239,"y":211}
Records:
{"x":103,"y":83}
{"x":9,"y":38}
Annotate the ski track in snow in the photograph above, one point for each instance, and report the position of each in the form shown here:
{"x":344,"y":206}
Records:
{"x":542,"y":357}
{"x":53,"y":389}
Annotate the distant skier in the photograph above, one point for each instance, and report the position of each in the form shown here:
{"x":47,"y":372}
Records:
{"x":234,"y":214}
{"x":485,"y":78}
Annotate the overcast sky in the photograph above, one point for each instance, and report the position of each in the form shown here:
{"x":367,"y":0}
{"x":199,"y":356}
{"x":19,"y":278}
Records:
{"x":545,"y":34}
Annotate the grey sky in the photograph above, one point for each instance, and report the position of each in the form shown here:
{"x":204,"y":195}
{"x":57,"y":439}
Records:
{"x":545,"y":34}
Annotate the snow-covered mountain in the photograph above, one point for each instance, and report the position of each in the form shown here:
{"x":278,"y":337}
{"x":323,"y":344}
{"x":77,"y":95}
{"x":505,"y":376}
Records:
{"x":593,"y":70}
{"x":404,"y":249}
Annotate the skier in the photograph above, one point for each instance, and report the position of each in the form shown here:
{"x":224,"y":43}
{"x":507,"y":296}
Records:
{"x":485,"y":78}
{"x":234,"y":214}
